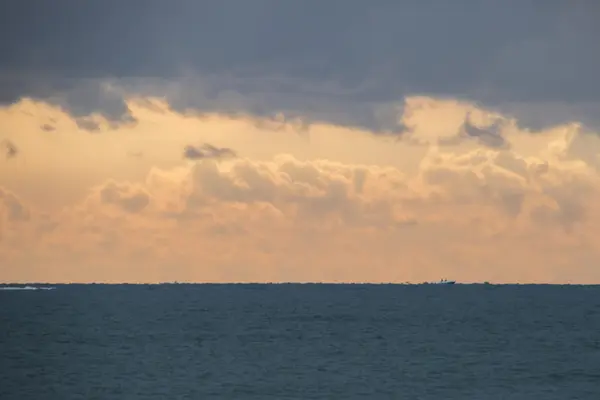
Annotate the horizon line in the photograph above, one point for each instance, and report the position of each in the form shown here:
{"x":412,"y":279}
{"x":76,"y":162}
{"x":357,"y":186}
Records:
{"x":300,"y":283}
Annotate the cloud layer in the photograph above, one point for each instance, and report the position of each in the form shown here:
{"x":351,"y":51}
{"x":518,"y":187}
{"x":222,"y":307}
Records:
{"x":463,"y":193}
{"x":278,"y":141}
{"x":341,"y":63}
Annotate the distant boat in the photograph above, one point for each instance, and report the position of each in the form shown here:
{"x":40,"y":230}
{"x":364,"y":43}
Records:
{"x":445,"y":282}
{"x":440,"y":282}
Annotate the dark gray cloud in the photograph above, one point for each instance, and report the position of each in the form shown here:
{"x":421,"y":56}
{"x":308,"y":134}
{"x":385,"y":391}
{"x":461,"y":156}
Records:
{"x":9,"y":149}
{"x":490,"y":136}
{"x":207,"y":151}
{"x":47,"y":128}
{"x":16,"y":209}
{"x":339,"y":61}
{"x":133,"y":200}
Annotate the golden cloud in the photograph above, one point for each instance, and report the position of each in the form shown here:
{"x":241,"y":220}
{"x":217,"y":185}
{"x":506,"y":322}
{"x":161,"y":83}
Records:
{"x":465,"y":194}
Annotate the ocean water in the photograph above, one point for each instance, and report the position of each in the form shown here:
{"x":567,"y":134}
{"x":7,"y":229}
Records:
{"x":300,"y":342}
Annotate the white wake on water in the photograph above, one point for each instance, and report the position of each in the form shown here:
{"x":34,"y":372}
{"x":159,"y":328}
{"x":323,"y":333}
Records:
{"x":27,"y":288}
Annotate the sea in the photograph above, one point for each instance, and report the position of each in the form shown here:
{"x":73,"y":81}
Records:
{"x":300,"y":341}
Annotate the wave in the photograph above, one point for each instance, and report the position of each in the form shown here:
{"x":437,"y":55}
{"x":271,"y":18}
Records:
{"x":27,"y":288}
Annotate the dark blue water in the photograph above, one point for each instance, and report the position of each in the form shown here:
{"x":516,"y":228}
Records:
{"x":300,"y":342}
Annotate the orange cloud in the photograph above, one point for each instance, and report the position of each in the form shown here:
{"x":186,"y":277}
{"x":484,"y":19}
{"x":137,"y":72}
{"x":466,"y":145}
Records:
{"x":327,"y":204}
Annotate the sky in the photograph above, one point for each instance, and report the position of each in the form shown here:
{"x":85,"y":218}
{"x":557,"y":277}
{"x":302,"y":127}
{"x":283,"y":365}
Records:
{"x":271,"y":141}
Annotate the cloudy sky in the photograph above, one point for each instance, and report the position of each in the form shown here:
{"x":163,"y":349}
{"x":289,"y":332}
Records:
{"x":263,"y":140}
